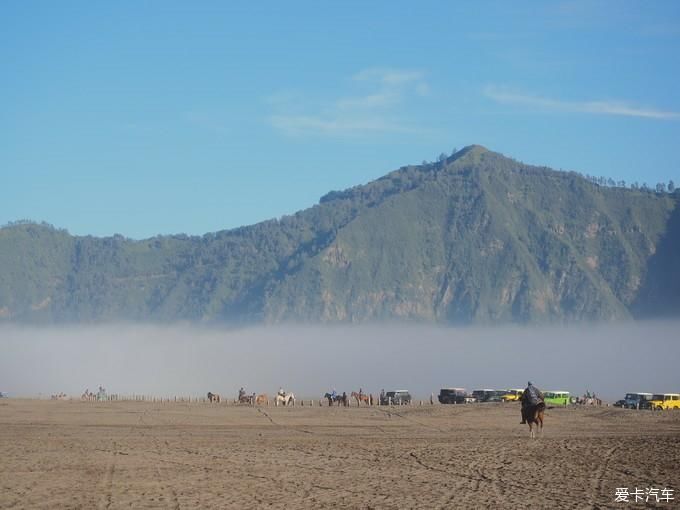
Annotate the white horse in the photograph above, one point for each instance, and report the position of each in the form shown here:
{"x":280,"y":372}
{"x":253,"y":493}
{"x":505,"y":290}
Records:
{"x":287,"y":399}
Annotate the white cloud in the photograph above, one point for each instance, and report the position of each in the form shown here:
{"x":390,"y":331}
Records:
{"x":603,"y":107}
{"x":297,"y":125}
{"x":380,"y":99}
{"x":380,"y":109}
{"x":389,"y":77}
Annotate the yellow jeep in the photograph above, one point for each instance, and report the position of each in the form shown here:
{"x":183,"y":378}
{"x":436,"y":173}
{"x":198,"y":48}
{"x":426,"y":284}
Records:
{"x":512,"y":395}
{"x":660,"y":401}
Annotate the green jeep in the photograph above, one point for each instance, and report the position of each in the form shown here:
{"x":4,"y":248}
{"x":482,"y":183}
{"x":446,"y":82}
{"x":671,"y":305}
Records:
{"x":556,"y":398}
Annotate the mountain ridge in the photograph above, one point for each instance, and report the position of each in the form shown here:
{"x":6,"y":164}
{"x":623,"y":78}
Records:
{"x":473,"y":238}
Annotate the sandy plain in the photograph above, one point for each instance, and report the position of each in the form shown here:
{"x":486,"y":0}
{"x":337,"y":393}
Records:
{"x":111,"y":455}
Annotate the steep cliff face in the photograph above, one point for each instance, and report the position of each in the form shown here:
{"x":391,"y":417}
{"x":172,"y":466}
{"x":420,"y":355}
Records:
{"x":478,"y":238}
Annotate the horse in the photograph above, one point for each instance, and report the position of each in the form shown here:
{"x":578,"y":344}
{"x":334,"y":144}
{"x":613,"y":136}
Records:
{"x":247,"y":399}
{"x":534,"y":416}
{"x":262,"y":400}
{"x":360,"y":397}
{"x":334,"y":398}
{"x":213,"y":398}
{"x":287,"y":399}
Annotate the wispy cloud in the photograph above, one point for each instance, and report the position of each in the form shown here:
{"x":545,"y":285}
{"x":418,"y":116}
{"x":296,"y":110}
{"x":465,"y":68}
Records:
{"x":380,"y":99}
{"x":389,"y":77}
{"x":301,"y":125}
{"x":380,"y":109}
{"x":600,"y":107}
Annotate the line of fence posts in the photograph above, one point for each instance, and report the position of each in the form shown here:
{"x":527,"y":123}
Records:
{"x":372,"y":400}
{"x":182,"y":399}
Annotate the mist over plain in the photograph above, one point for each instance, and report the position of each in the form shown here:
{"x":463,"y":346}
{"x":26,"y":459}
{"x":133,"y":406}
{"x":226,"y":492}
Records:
{"x":309,"y":360}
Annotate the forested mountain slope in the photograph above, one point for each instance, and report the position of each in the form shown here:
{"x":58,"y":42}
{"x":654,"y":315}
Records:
{"x":476,"y":238}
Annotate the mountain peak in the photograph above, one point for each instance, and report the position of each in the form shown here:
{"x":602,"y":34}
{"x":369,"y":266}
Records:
{"x":472,"y":153}
{"x":478,"y":238}
{"x":474,"y":149}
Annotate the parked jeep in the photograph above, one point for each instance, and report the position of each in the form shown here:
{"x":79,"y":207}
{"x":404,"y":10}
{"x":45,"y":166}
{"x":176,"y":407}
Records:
{"x":486,"y":395}
{"x":396,"y":398}
{"x":557,"y":398}
{"x":452,"y":396}
{"x":664,"y":401}
{"x":495,"y":396}
{"x":512,"y":395}
{"x":636,"y":400}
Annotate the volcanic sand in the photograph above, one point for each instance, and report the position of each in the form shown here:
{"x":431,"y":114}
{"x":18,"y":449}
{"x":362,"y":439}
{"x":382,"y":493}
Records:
{"x":72,"y":454}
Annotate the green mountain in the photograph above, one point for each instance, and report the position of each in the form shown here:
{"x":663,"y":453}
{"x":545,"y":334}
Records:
{"x":475,"y":238}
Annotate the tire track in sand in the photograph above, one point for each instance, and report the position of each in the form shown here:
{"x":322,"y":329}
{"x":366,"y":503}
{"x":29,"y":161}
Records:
{"x":390,"y":412}
{"x":295,"y":429}
{"x":106,"y":483}
{"x":166,"y":487}
{"x":597,"y":484}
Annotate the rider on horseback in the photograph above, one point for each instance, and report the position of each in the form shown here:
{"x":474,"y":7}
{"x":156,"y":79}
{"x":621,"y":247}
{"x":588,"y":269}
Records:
{"x":531,"y":396}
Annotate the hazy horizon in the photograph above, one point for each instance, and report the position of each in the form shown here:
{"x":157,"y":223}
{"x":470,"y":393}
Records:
{"x":610,"y":359}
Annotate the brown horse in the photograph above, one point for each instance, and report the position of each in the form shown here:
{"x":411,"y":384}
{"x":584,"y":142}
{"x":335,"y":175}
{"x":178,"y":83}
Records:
{"x":262,"y":400}
{"x":533,"y":414}
{"x":360,"y":397}
{"x":213,"y":398}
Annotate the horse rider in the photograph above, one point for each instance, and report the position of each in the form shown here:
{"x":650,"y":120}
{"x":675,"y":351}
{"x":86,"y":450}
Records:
{"x":241,"y":394}
{"x":281,"y":392}
{"x":530,"y":397}
{"x":334,"y":394}
{"x":361,"y":393}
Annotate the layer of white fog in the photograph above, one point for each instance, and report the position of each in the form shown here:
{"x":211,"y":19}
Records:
{"x":191,"y":360}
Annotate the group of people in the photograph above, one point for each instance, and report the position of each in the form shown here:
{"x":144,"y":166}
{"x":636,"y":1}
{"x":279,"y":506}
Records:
{"x":334,"y":393}
{"x":100,"y":395}
{"x":589,"y":398}
{"x":242,"y":397}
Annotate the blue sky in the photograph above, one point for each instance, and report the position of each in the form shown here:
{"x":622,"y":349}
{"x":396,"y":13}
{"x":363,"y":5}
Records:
{"x":146,"y":118}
